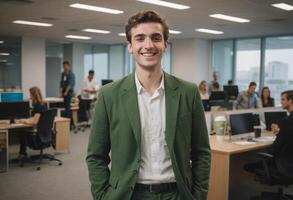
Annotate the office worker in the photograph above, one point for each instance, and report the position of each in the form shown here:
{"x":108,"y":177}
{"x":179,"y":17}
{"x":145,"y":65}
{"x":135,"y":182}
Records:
{"x":215,"y":80}
{"x":248,"y":98}
{"x":266,"y":99}
{"x":284,"y":139}
{"x":90,"y":87}
{"x":202,"y":87}
{"x":153,"y":124}
{"x":39,"y":106}
{"x":67,"y":83}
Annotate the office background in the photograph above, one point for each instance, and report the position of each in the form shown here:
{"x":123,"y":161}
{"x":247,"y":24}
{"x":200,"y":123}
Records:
{"x":260,"y":50}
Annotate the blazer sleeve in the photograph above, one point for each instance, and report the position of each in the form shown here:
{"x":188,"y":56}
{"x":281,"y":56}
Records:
{"x":200,"y":151}
{"x":98,"y":150}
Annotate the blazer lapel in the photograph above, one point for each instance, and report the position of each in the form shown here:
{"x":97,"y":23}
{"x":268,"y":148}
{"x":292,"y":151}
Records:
{"x":129,"y":98}
{"x":172,"y":104}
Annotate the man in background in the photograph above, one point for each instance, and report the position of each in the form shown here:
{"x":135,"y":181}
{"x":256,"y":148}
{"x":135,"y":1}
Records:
{"x":67,"y":83}
{"x":90,"y":87}
{"x":248,"y":99}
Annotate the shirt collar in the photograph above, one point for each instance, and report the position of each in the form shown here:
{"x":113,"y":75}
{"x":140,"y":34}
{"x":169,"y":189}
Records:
{"x":140,"y":88}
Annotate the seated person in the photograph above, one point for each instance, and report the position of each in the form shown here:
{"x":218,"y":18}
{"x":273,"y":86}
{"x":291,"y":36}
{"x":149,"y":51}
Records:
{"x":39,"y":106}
{"x":284,"y":136}
{"x":90,"y":87}
{"x":266,"y":99}
{"x":215,"y":87}
{"x":202,"y":87}
{"x":248,"y":99}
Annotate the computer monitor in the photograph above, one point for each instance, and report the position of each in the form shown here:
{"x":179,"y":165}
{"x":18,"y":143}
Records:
{"x":14,"y":110}
{"x":106,"y":81}
{"x":217,"y":95}
{"x":206,"y":104}
{"x":11,"y":97}
{"x":225,"y":105}
{"x":241,"y":125}
{"x":274,"y":117}
{"x":231,"y":91}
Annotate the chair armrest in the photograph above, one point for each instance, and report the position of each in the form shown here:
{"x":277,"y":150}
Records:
{"x":265,"y":155}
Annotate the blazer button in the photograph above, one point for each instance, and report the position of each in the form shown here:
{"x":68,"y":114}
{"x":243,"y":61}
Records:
{"x":135,"y":171}
{"x":131,"y":188}
{"x":138,"y":160}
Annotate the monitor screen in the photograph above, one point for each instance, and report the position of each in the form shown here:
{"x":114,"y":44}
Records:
{"x":217,"y":95}
{"x":14,"y":110}
{"x":274,"y":117}
{"x":241,"y":123}
{"x":206,"y":104}
{"x":106,"y":81}
{"x":231,"y":91}
{"x":11,"y":97}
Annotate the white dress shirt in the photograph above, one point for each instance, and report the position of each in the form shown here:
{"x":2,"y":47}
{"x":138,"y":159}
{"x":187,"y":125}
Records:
{"x":90,"y":85}
{"x":156,"y":166}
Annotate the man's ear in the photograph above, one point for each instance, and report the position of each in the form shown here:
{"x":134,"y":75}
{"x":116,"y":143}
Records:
{"x":129,"y":47}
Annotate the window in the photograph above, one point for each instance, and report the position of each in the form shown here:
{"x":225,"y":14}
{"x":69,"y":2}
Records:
{"x":278,"y":65}
{"x":247,"y":62}
{"x":222,"y":60}
{"x":10,"y":63}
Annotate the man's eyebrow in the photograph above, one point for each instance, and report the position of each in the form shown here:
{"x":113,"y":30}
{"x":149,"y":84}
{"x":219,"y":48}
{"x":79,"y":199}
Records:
{"x":139,"y":35}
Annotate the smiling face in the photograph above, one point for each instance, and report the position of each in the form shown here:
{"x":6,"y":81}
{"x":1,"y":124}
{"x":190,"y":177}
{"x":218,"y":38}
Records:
{"x":147,"y":45}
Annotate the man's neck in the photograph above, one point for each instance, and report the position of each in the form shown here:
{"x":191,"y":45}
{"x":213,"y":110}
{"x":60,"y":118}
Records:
{"x":149,"y":79}
{"x":290,"y":109}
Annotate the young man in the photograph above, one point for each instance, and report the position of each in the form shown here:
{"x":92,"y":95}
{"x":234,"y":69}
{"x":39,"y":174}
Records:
{"x":90,"y":87}
{"x":248,"y":99}
{"x":283,"y":144}
{"x":67,"y":83}
{"x":153,"y":124}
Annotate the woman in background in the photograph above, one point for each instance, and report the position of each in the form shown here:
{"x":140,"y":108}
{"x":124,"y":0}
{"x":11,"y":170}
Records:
{"x":202,"y":87}
{"x":266,"y":99}
{"x":38,"y":107}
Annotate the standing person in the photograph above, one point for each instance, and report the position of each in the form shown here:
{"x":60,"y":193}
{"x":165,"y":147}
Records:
{"x":153,"y":124}
{"x":266,"y":99}
{"x":90,"y":87}
{"x":202,"y":87}
{"x":39,"y":106}
{"x":248,"y":99}
{"x":67,"y":87}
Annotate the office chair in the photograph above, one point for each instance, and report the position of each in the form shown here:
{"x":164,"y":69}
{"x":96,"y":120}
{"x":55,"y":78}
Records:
{"x":44,"y":137}
{"x":83,"y":114}
{"x":275,"y":171}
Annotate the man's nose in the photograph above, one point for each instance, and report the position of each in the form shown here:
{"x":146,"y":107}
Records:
{"x":149,"y":43}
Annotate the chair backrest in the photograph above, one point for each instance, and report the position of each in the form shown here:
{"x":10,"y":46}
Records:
{"x":45,"y":126}
{"x":84,"y":107}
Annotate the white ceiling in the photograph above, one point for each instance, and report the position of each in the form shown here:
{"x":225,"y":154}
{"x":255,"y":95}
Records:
{"x":265,"y":19}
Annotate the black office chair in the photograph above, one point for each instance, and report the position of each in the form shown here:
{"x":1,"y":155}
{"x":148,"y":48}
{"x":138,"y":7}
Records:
{"x":83,"y":114}
{"x":44,"y":137}
{"x":275,"y":171}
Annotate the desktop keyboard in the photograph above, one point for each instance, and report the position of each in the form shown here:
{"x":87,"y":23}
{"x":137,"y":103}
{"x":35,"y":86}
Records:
{"x":264,"y":139}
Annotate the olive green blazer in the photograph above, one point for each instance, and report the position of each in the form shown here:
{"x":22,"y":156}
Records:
{"x":116,"y":132}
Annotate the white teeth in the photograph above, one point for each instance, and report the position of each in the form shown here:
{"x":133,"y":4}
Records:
{"x":148,"y":54}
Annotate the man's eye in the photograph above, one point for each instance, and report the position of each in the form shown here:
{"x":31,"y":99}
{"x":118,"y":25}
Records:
{"x":157,"y":39}
{"x":139,"y":39}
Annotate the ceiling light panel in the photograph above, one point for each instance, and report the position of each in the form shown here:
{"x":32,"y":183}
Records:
{"x":4,"y":54}
{"x":166,"y":4}
{"x":283,"y":6}
{"x":1,"y":42}
{"x":90,"y":30}
{"x":174,"y":32}
{"x":122,"y":34}
{"x":78,"y":37}
{"x":203,"y":30}
{"x":96,"y":8}
{"x":31,"y":23}
{"x":230,"y":18}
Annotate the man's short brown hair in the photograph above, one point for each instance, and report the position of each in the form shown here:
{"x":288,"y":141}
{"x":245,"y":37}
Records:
{"x":289,"y":94}
{"x":145,"y":17}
